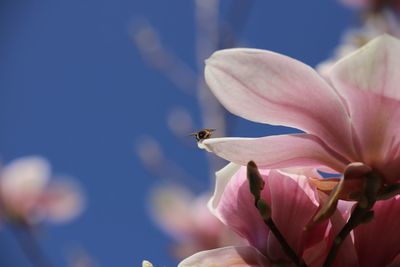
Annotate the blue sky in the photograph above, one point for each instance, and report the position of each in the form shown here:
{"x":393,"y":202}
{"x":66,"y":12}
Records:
{"x":74,"y":89}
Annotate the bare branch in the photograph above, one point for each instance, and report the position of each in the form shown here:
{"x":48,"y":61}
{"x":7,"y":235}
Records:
{"x":160,"y":58}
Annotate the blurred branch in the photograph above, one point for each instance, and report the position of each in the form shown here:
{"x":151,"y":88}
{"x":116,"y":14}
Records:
{"x":207,"y":40}
{"x":150,"y":153}
{"x":211,"y":34}
{"x":234,"y":23}
{"x":160,"y":58}
{"x":29,"y":245}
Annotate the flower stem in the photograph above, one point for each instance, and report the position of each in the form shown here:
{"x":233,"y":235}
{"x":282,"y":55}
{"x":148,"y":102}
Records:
{"x":256,"y":185}
{"x":285,"y":246}
{"x":362,"y":213}
{"x":356,"y":216}
{"x":29,"y":245}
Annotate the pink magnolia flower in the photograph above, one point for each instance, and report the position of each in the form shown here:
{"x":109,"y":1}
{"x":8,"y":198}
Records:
{"x":350,"y":116}
{"x":293,"y":201}
{"x":186,"y":218}
{"x":28,"y":195}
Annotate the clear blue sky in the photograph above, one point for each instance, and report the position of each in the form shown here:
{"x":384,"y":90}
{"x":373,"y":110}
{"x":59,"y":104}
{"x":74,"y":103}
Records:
{"x":74,"y":89}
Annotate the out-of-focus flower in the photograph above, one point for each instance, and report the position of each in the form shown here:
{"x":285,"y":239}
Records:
{"x":28,"y":195}
{"x":293,"y":202}
{"x":357,"y":3}
{"x":78,"y":257}
{"x":146,"y":264}
{"x":187,"y":219}
{"x":350,"y":117}
{"x":373,"y":26}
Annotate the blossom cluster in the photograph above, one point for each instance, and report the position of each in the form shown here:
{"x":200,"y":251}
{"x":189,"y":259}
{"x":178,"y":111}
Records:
{"x":290,"y":215}
{"x":29,"y":196}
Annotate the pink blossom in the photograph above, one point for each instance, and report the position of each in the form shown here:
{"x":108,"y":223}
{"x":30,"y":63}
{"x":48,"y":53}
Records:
{"x":293,"y":201}
{"x":350,"y":116}
{"x":28,"y":195}
{"x":187,"y":219}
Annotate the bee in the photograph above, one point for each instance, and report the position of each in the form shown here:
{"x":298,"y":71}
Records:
{"x":202,"y":134}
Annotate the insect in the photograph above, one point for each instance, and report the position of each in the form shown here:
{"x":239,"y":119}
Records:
{"x":202,"y":134}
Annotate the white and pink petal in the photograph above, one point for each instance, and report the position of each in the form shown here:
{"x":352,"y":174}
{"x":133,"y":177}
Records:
{"x":292,"y":199}
{"x":267,"y":87}
{"x":280,"y":151}
{"x":245,"y":256}
{"x":375,"y":68}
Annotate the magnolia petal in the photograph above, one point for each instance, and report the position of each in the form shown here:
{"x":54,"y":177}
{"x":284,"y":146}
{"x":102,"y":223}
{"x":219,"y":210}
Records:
{"x":281,"y":151}
{"x":236,"y":209}
{"x":316,"y":254}
{"x":375,"y":67}
{"x":378,"y":242}
{"x":267,"y":87}
{"x":227,"y":257}
{"x":376,"y":130}
{"x":369,"y":81}
{"x":376,"y":121}
{"x":292,"y":199}
{"x":223,"y":177}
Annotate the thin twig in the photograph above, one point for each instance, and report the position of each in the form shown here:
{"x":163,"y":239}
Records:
{"x":235,"y":22}
{"x":207,"y":42}
{"x":29,"y":245}
{"x":256,"y":185}
{"x":157,"y":163}
{"x":284,"y":244}
{"x":148,"y":42}
{"x":357,"y":214}
{"x":362,"y":213}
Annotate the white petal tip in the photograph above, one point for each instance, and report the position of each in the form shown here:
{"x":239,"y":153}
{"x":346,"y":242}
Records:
{"x":146,"y":264}
{"x":201,"y":145}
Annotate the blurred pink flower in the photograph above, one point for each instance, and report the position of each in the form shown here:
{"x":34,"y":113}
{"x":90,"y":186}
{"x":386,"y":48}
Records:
{"x":186,"y":218}
{"x":28,"y":195}
{"x":372,"y":4}
{"x":293,"y":201}
{"x":357,"y":3}
{"x":372,"y":26}
{"x":350,"y":117}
